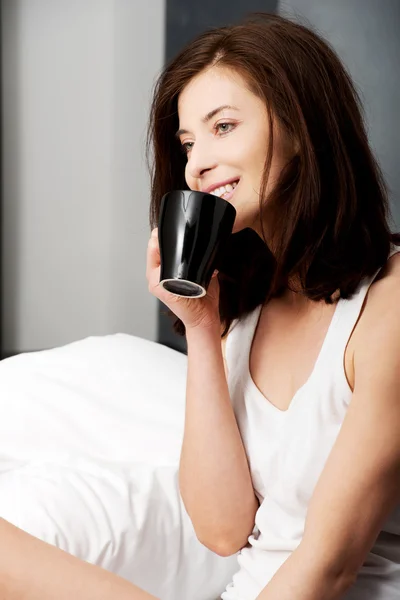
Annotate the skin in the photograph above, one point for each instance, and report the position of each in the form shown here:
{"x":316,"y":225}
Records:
{"x":353,"y":498}
{"x":233,"y":143}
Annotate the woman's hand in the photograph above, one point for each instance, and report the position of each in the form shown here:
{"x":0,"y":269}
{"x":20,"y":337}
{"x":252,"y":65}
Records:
{"x":193,"y":312}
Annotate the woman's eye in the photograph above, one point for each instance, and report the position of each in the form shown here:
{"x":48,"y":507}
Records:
{"x":221,"y":128}
{"x":186,"y":147}
{"x":224,"y":127}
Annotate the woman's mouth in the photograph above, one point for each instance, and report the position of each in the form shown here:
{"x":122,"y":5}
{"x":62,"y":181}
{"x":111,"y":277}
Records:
{"x":226,"y":191}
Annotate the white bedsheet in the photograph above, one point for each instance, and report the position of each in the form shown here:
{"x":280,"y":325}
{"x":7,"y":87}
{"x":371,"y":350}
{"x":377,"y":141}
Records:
{"x":90,"y":437}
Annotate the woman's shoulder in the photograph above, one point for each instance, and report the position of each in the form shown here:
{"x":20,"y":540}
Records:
{"x":387,"y":281}
{"x":382,"y":304}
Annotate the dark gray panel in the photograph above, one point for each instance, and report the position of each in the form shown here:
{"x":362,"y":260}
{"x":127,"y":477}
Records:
{"x":188,"y":18}
{"x":365,"y":33}
{"x":185,"y":20}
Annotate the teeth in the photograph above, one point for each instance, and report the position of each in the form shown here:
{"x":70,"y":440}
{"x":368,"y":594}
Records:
{"x":224,"y":189}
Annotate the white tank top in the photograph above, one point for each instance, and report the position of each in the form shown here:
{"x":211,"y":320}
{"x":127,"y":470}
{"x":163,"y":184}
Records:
{"x":287,"y":451}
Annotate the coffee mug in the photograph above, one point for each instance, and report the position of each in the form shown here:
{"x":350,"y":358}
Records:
{"x":192,"y":230}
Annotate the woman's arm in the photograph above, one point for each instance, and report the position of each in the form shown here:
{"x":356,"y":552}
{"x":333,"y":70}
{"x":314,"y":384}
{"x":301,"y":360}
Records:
{"x":360,"y":484}
{"x":214,"y":476}
{"x":31,"y":569}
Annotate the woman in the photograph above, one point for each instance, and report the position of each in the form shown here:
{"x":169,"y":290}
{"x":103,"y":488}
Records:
{"x":291,"y":454}
{"x":291,"y":451}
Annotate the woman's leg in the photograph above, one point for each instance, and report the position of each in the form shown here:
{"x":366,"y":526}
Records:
{"x":31,"y":569}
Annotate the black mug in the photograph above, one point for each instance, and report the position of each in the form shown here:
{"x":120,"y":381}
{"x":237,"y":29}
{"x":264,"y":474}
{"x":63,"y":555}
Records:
{"x":192,"y":230}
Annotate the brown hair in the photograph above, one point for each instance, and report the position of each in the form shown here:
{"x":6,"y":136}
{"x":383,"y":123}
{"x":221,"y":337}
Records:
{"x":329,"y":207}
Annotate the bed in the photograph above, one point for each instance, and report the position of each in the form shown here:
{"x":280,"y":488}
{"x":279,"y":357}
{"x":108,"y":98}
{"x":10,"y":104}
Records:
{"x":90,"y":441}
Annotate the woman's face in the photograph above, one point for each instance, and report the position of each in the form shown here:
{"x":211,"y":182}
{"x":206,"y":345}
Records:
{"x":223,"y":129}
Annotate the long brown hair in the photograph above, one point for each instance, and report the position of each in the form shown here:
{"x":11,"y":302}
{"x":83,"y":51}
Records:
{"x":329,"y":207}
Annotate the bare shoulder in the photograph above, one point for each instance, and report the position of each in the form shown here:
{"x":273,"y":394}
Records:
{"x":385,"y":290}
{"x":381,"y":315}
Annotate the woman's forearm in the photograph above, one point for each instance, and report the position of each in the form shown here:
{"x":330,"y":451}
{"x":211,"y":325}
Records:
{"x":31,"y":569}
{"x":214,"y":476}
{"x":304,"y":577}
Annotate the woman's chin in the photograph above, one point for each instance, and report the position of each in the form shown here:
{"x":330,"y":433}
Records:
{"x":239,"y":225}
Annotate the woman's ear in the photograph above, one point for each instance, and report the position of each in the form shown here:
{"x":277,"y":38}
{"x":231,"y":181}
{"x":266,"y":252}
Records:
{"x":295,"y":147}
{"x":288,"y":142}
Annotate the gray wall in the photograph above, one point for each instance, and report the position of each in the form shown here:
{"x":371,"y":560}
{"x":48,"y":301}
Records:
{"x":365,"y":33}
{"x":77,"y":76}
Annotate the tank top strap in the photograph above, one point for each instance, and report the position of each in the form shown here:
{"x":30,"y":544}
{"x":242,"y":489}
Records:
{"x":238,"y":344}
{"x":395,"y":249}
{"x":345,"y":319}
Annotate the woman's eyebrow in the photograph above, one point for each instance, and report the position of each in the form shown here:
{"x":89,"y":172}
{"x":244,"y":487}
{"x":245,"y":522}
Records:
{"x":208,"y":116}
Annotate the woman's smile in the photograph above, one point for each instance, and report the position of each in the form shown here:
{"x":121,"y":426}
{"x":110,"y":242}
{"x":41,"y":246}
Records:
{"x":225,"y":191}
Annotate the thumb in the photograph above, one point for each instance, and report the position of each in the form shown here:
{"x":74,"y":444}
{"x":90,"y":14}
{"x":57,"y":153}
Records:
{"x":213,"y":288}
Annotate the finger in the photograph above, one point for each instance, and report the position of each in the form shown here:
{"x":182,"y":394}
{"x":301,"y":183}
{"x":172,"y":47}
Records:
{"x":153,"y":256}
{"x":154,"y":282}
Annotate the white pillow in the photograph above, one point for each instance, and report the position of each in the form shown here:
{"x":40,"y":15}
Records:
{"x":90,"y":442}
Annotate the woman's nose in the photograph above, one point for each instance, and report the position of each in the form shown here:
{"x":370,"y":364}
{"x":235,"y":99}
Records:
{"x":200,"y":161}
